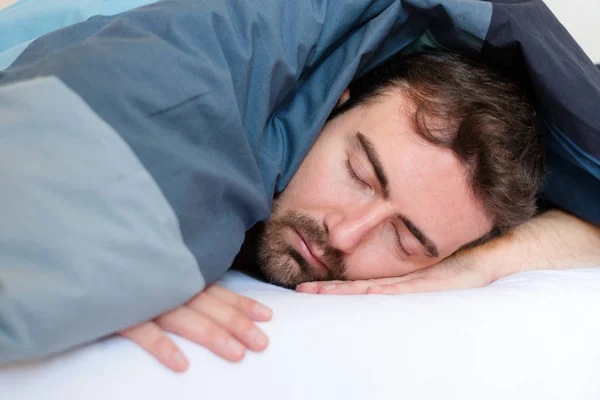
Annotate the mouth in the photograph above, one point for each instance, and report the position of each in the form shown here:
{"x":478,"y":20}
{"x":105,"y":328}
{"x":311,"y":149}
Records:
{"x":310,"y":252}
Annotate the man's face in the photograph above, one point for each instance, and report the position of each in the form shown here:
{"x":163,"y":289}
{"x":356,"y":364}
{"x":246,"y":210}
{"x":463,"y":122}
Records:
{"x":372,"y":199}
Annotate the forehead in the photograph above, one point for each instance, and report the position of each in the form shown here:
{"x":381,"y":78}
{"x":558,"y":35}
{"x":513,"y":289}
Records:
{"x":428,"y":183}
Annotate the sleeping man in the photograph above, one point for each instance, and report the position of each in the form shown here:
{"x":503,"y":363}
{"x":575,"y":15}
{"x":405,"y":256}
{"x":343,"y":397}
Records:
{"x":425,"y":177}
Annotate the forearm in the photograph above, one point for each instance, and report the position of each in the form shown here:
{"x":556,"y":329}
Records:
{"x":552,"y":240}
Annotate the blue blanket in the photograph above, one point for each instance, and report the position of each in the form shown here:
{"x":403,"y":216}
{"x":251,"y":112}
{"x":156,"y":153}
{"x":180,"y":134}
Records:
{"x":137,"y":149}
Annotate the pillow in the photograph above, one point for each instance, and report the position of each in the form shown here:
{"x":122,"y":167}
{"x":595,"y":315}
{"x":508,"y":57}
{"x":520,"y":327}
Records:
{"x":529,"y":336}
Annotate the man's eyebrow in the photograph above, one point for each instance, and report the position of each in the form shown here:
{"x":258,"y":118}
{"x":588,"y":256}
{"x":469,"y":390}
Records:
{"x":430,"y":247}
{"x":366,"y":146}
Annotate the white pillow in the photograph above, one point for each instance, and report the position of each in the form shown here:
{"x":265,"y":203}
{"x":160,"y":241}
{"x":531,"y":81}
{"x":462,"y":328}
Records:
{"x":529,"y":336}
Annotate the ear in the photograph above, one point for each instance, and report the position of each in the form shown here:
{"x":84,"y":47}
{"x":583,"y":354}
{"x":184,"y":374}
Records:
{"x":344,"y":97}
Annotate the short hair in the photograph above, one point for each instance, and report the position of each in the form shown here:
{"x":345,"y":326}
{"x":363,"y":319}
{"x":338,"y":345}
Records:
{"x":487,"y":119}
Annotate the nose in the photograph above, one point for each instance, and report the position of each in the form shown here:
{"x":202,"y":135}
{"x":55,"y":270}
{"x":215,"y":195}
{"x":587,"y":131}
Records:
{"x":348,"y":229}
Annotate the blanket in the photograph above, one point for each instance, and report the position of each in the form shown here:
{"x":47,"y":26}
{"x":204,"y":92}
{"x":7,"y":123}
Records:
{"x":138,"y":148}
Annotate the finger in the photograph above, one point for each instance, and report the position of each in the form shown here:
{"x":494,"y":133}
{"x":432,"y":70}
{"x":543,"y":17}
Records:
{"x":308,"y":287}
{"x":353,"y":287}
{"x":232,"y":320}
{"x":249,"y":307}
{"x":417,"y":285}
{"x":348,"y":287}
{"x":360,"y":287}
{"x":199,"y":328}
{"x":155,"y":341}
{"x":313,"y":287}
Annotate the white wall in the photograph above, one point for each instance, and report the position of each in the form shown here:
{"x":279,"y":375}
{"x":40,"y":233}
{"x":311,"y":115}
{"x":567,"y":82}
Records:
{"x":582,"y":20}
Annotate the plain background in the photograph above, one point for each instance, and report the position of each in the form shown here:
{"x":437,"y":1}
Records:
{"x":580,"y":17}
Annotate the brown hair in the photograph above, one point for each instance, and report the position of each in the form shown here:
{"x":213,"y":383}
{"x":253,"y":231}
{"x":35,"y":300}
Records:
{"x":487,"y":120}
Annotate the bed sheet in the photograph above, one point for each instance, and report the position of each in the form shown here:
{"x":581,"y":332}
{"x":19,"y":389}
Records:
{"x":529,"y":336}
{"x":22,"y":21}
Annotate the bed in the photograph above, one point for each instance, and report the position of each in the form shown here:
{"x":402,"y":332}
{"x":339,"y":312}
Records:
{"x":528,"y":336}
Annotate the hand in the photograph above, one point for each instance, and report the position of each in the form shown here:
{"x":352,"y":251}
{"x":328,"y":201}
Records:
{"x":456,"y":272}
{"x":216,"y":318}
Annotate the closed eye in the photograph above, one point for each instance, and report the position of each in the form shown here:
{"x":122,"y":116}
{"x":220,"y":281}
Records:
{"x":354,"y":176}
{"x":399,"y":243}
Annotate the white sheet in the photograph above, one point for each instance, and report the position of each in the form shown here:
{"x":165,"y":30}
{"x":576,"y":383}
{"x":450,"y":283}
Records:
{"x":530,"y":336}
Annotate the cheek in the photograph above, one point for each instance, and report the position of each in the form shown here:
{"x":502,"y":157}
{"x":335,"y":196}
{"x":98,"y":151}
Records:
{"x":317,"y":184}
{"x":306,"y":192}
{"x":374,"y":262}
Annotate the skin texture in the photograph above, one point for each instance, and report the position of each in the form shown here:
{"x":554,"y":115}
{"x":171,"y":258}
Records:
{"x":336,"y":206}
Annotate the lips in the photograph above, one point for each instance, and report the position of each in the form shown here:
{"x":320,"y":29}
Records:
{"x":310,"y":252}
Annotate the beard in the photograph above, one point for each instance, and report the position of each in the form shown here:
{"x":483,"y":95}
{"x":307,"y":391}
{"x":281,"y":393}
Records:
{"x":283,"y":265}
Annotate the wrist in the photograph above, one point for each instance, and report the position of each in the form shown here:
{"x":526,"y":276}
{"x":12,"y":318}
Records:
{"x":509,"y":253}
{"x":522,"y":248}
{"x":572,"y":242}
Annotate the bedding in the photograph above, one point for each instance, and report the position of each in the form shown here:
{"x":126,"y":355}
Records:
{"x":529,"y":336}
{"x":24,"y":20}
{"x":179,"y":120}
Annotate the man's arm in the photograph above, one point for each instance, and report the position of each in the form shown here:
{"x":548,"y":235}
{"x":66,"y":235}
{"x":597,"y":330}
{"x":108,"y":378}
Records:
{"x":552,"y":240}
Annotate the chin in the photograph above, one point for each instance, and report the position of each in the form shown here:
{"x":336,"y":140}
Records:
{"x":286,"y":272}
{"x":281,"y":276}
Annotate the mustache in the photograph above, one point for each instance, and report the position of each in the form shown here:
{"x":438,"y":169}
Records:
{"x":315,"y":232}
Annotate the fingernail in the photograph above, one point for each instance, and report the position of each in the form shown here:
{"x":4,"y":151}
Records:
{"x":179,"y":361}
{"x":329,"y":287}
{"x":305,"y":287}
{"x":375,"y":289}
{"x":235,"y":347}
{"x":262,"y":311}
{"x":258,"y":338}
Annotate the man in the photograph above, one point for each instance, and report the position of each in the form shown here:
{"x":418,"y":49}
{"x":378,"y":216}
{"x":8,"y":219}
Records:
{"x":423,"y":156}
